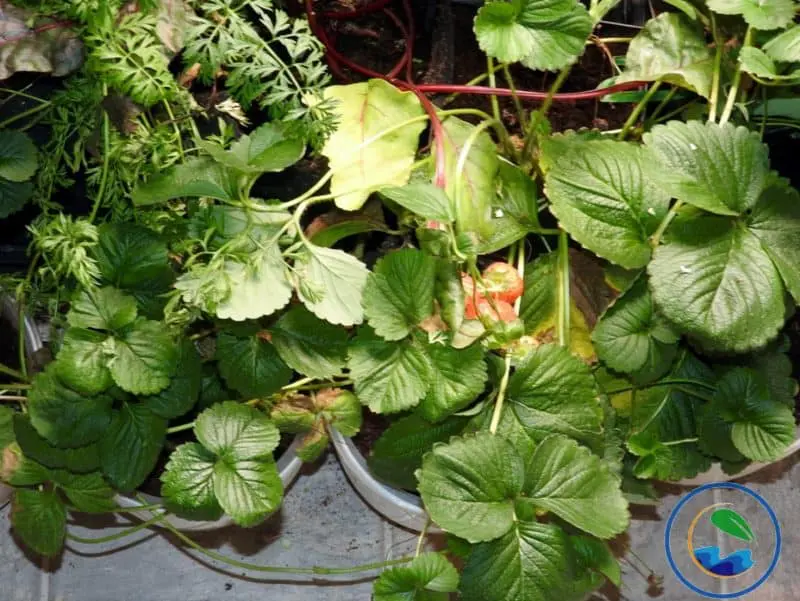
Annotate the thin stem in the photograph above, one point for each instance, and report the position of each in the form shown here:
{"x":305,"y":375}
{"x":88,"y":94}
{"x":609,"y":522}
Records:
{"x":672,"y":382}
{"x":715,"y":79}
{"x":25,"y":114}
{"x":662,"y":227}
{"x":520,"y":271}
{"x":23,"y":94}
{"x":673,"y":443}
{"x":176,"y":128}
{"x":101,"y":189}
{"x":490,"y":71}
{"x":523,"y":119}
{"x":501,"y":395}
{"x":118,"y":535}
{"x":530,"y":135}
{"x":9,"y":371}
{"x":472,"y":82}
{"x":737,"y":80}
{"x":634,"y":116}
{"x":314,"y":570}
{"x":15,"y":386}
{"x":614,"y":40}
{"x":422,"y":536}
{"x":563,"y":289}
{"x":667,"y":99}
{"x":153,"y":507}
{"x":12,"y":397}
{"x":181,"y":428}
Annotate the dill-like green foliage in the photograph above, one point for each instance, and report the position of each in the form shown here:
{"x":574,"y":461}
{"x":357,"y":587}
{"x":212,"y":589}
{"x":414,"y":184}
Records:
{"x":130,"y":58}
{"x":270,"y":60}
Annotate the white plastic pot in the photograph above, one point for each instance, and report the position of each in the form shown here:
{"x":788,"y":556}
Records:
{"x":288,"y":464}
{"x":33,"y":344}
{"x":715,"y":474}
{"x":398,"y":506}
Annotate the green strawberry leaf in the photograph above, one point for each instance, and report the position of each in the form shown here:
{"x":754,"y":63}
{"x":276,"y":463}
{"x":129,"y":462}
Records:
{"x":552,"y":391}
{"x":251,"y":365}
{"x":330,"y":283}
{"x":423,"y":199}
{"x":673,"y":50}
{"x":247,"y":490}
{"x":63,"y":417}
{"x":631,"y":336}
{"x":144,"y":358}
{"x":449,"y":294}
{"x":362,"y":160}
{"x":83,"y":361}
{"x":40,"y":520}
{"x":34,"y":446}
{"x":664,"y":414}
{"x":271,"y":147}
{"x":134,"y":259}
{"x":518,"y":195}
{"x":543,"y":35}
{"x":388,"y":376}
{"x":308,"y":345}
{"x":18,"y":161}
{"x":231,"y":469}
{"x":102,"y":309}
{"x":258,"y":288}
{"x":429,"y":577}
{"x":234,"y":431}
{"x":762,"y":426}
{"x":601,"y":195}
{"x":199,"y":177}
{"x":456,"y":378}
{"x":87,"y":492}
{"x":469,"y":486}
{"x":187,"y":483}
{"x":593,"y":554}
{"x":785,"y":47}
{"x":714,"y":281}
{"x":569,"y":481}
{"x":399,"y":293}
{"x":131,"y":446}
{"x":722,"y":169}
{"x":528,"y":563}
{"x":398,"y":453}
{"x":181,"y":395}
{"x":13,"y":196}
{"x":775,"y":14}
{"x":775,"y":221}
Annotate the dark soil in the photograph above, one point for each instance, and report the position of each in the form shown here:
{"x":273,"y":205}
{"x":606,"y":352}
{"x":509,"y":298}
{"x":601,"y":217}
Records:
{"x":9,"y":355}
{"x":372,"y":428}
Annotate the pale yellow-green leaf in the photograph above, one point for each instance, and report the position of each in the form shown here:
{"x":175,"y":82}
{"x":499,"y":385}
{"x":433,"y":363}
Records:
{"x":362,"y":159}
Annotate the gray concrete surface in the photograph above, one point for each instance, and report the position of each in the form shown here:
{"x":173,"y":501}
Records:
{"x":324,"y":522}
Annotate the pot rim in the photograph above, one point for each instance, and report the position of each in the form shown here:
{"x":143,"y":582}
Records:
{"x":398,"y":506}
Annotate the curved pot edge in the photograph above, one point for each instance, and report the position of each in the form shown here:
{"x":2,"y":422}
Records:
{"x":398,"y":506}
{"x":288,"y":464}
{"x":715,"y":474}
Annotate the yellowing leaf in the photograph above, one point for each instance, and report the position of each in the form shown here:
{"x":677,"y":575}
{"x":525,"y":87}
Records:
{"x":362,"y":159}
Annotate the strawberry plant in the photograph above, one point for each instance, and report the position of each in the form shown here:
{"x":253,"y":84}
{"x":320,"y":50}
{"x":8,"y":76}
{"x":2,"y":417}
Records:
{"x":550,"y":320}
